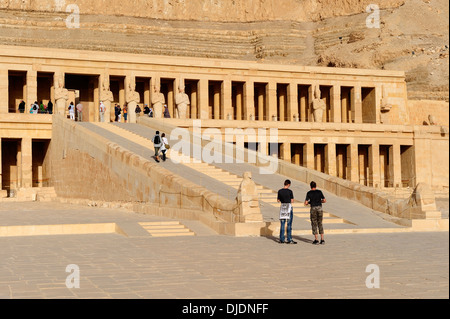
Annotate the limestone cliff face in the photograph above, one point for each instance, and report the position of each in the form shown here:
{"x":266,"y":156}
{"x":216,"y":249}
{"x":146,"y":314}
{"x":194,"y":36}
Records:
{"x":208,"y":10}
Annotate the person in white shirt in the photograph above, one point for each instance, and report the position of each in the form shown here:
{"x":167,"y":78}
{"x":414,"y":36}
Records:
{"x":102,"y":112}
{"x":72,"y":111}
{"x":164,"y":143}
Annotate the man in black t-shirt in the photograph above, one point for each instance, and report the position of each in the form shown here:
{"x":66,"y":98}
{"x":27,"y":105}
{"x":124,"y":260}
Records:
{"x":286,"y":197}
{"x":315,"y":198}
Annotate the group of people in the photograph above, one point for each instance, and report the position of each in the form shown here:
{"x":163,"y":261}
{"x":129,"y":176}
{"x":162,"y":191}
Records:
{"x":161,"y":144}
{"x":150,"y":113}
{"x":78,"y":109}
{"x":118,"y":112}
{"x":36,"y":107}
{"x":315,"y":199}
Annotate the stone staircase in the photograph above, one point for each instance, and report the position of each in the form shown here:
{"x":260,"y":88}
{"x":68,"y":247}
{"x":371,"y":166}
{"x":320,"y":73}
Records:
{"x":166,"y":229}
{"x":266,"y":195}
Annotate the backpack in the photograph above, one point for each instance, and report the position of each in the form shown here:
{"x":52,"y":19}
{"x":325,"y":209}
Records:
{"x":157,"y":140}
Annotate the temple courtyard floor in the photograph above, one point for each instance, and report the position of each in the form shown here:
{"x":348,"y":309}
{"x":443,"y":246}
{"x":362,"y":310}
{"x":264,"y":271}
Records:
{"x":122,"y":254}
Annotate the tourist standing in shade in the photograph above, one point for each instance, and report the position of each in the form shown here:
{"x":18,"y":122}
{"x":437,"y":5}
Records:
{"x":286,"y":198}
{"x":22,"y":107}
{"x":138,"y":111}
{"x":50,"y":107}
{"x":315,"y":198}
{"x":80,"y":112}
{"x":166,"y":112}
{"x":125,"y":113}
{"x":72,"y":111}
{"x":102,"y":110}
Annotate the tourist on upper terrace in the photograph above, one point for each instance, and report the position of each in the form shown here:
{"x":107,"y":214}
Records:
{"x":102,"y":110}
{"x":117,"y":111}
{"x":166,"y":112}
{"x":80,"y":112}
{"x":125,"y":113}
{"x":50,"y":107}
{"x":22,"y":107}
{"x":146,"y":110}
{"x":72,"y":111}
{"x":138,"y":111}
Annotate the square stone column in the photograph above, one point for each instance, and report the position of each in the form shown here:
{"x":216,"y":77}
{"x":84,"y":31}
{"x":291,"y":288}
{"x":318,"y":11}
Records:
{"x":292,"y":101}
{"x":286,"y":151}
{"x":4,"y":92}
{"x":217,"y":101}
{"x":271,"y":100}
{"x":26,"y":169}
{"x":353,"y":163}
{"x":239,"y":100}
{"x":226,"y":100}
{"x":395,"y":165}
{"x":31,"y":94}
{"x":374,"y":166}
{"x":308,"y":155}
{"x":1,"y":172}
{"x":203,"y":99}
{"x":249,"y":100}
{"x":335,"y":96}
{"x":356,"y":104}
{"x":330,"y":159}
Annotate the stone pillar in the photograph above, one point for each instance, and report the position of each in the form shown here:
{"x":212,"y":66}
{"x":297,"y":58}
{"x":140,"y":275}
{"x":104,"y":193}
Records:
{"x":335,"y":96}
{"x":271,"y":96}
{"x":204,"y":99}
{"x":1,"y":176}
{"x":292,"y":101}
{"x":374,"y":166}
{"x":217,"y":98}
{"x":309,"y":112}
{"x":31,"y":94}
{"x":353,"y":162}
{"x":147,"y":89}
{"x":226,"y":100}
{"x":261,"y":93}
{"x":395,"y":165}
{"x":194,"y":98}
{"x":26,"y":169}
{"x":286,"y":151}
{"x":4,"y":92}
{"x":308,"y":155}
{"x":356,"y":104}
{"x":171,"y":98}
{"x":239,"y":96}
{"x":249,"y":100}
{"x":304,"y":108}
{"x":282,"y":103}
{"x":330,"y":159}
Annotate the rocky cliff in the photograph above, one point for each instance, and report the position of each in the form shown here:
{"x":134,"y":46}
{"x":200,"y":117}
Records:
{"x":411,"y":35}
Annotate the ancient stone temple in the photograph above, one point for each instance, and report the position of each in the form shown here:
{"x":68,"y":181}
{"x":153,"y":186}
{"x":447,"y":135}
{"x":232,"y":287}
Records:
{"x":354,"y":124}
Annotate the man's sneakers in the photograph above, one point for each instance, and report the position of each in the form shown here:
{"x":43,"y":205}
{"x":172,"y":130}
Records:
{"x":322,"y":242}
{"x":288,"y":242}
{"x":316,"y":242}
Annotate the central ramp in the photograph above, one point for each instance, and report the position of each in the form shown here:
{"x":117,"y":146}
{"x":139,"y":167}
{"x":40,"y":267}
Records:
{"x":340,"y":215}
